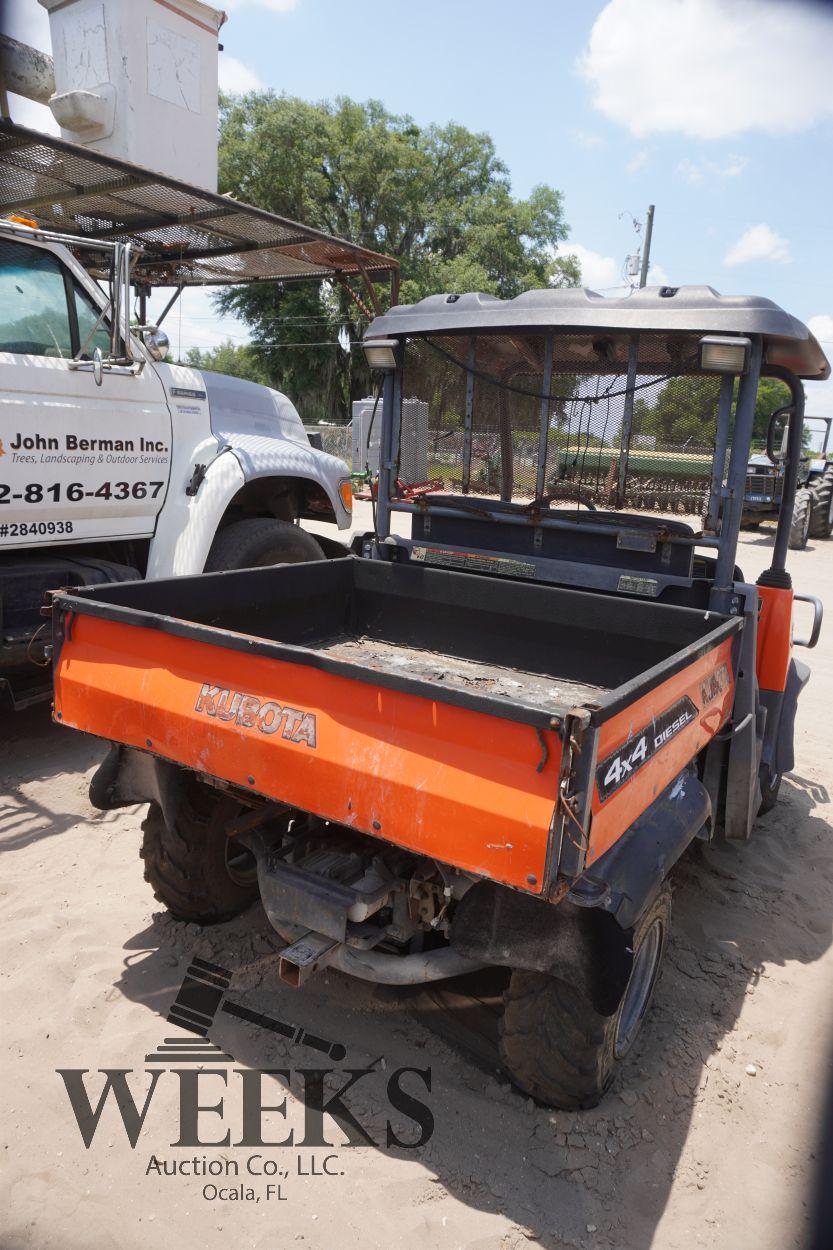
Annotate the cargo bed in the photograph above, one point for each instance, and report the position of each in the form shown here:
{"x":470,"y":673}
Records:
{"x":429,"y":707}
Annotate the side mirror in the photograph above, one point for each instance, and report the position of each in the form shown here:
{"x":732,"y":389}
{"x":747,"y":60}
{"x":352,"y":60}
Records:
{"x":98,"y":366}
{"x":156,"y":341}
{"x":780,"y":415}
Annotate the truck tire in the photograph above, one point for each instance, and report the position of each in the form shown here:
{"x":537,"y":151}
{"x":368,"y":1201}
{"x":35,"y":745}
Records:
{"x":800,"y":527}
{"x":821,"y":519}
{"x":258,"y":542}
{"x":556,"y":1046}
{"x":770,"y":784}
{"x":196,"y":871}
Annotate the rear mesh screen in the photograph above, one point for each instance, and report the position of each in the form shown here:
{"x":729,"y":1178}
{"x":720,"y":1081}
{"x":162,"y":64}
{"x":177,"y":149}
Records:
{"x":602,"y":422}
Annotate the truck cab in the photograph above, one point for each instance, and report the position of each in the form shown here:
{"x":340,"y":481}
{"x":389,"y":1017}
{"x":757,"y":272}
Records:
{"x":116,"y":464}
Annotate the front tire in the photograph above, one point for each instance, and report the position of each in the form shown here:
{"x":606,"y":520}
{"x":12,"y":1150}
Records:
{"x":800,"y":527}
{"x":261,"y":541}
{"x":195,"y":869}
{"x":553,"y":1043}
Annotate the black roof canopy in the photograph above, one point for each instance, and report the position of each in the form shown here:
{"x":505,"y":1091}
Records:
{"x":180,"y":233}
{"x":655,"y":310}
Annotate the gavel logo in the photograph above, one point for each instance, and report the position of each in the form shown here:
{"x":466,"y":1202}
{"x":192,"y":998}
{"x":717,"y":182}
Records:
{"x":195,"y":1007}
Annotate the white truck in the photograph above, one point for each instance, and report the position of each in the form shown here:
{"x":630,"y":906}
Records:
{"x":115,"y":464}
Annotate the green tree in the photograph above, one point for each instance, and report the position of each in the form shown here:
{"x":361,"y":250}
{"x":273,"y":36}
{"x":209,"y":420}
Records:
{"x":235,"y":360}
{"x":772,"y":394}
{"x":438,"y":198}
{"x":686,"y":409}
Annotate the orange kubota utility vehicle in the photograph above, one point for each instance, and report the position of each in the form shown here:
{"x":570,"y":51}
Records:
{"x":485,"y":744}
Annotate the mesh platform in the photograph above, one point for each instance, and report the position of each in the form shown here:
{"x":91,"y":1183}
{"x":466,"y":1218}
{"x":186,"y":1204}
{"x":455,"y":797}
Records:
{"x":601,"y":423}
{"x":181,"y":234}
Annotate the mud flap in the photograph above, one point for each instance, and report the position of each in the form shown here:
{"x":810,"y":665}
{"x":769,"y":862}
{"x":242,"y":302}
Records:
{"x":798,"y":675}
{"x":586,"y":948}
{"x":125,"y":777}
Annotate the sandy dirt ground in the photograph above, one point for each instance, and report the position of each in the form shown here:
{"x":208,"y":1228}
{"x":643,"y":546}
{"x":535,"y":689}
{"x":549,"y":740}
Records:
{"x":709,"y":1136}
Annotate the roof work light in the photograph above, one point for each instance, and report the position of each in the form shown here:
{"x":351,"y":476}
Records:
{"x":724,"y":355}
{"x":379,"y":353}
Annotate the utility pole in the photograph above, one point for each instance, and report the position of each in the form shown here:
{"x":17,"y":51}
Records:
{"x":633,"y":355}
{"x":646,"y":253}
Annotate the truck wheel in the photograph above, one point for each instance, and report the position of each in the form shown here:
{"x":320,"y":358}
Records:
{"x":821,"y":519}
{"x":556,"y":1046}
{"x":800,"y":528}
{"x":258,"y":542}
{"x":196,"y":871}
{"x":770,"y":784}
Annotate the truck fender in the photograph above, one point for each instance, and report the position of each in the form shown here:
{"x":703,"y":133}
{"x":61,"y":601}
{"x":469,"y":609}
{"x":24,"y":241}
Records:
{"x":627,"y":878}
{"x":586,"y":939}
{"x":260,"y":456}
{"x":188,"y":523}
{"x":584,"y":947}
{"x":779,"y":739}
{"x":126,"y":776}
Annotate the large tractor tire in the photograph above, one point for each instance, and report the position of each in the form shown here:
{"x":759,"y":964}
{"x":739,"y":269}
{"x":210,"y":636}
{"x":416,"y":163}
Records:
{"x":195,"y":869}
{"x":261,"y":541}
{"x":821,"y":492}
{"x":556,"y":1046}
{"x":800,"y":527}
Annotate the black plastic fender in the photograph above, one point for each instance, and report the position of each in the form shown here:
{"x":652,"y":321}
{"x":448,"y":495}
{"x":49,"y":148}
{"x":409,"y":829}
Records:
{"x":126,"y":776}
{"x":627,"y":878}
{"x":585,"y":947}
{"x":585,"y":940}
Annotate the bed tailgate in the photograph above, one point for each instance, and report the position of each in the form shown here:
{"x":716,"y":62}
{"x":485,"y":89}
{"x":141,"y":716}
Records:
{"x":472,"y":789}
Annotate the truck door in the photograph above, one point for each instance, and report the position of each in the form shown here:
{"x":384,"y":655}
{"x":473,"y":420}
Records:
{"x":78,"y":462}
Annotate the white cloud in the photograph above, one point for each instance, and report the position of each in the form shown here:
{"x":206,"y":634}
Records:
{"x":597,"y":271}
{"x":604,"y":273}
{"x":583,"y":139}
{"x":697,"y":171}
{"x":657,"y":276}
{"x":636,"y":162}
{"x":711,"y":68}
{"x":822,"y":327}
{"x":758,"y":243}
{"x":688,"y":170}
{"x":235,"y":77}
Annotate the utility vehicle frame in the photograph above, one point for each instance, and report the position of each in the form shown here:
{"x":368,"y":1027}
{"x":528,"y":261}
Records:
{"x":486,"y":744}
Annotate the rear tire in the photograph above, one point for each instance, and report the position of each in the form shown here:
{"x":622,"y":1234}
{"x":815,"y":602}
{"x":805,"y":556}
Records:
{"x":800,"y":527}
{"x":259,"y":542}
{"x":770,"y":784}
{"x":553,"y":1043}
{"x":196,"y":871}
{"x":821,"y":520}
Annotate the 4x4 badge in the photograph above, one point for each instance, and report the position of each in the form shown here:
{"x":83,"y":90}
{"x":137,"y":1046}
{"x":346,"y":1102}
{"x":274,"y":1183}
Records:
{"x":627,"y":759}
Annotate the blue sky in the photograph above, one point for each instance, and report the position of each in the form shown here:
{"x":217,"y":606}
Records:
{"x":720,"y":112}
